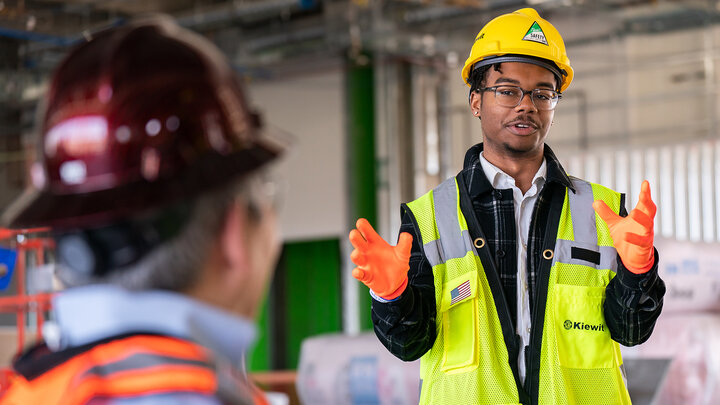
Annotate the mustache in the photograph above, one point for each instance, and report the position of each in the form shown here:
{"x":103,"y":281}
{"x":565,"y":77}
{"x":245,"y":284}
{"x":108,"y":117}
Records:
{"x":523,"y":119}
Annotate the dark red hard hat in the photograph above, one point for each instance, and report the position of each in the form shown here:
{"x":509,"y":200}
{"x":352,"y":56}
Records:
{"x":139,"y":117}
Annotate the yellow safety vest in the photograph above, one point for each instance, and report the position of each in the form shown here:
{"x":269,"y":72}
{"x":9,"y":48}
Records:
{"x":469,"y":363}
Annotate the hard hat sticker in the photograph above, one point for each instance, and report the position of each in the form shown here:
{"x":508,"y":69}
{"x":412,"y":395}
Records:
{"x":535,"y":34}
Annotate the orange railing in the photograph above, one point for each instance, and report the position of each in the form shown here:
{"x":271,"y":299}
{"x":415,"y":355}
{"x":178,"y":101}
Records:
{"x":23,"y":303}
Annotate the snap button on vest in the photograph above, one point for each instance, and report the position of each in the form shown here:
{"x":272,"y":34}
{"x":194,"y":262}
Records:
{"x":497,"y":194}
{"x":548,"y":254}
{"x":479,"y":243}
{"x":500,"y":253}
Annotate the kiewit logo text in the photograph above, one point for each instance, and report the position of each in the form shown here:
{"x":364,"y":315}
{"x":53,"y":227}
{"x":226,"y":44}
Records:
{"x":568,"y":324}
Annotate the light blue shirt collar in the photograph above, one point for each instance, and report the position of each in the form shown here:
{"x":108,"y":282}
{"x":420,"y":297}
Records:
{"x":86,"y":314}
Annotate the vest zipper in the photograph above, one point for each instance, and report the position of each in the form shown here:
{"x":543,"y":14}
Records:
{"x":511,"y":338}
{"x":529,"y":369}
{"x":543,"y":280}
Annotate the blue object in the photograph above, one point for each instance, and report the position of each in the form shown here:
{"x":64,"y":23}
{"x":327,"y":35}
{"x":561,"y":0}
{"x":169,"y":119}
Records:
{"x":8,"y":258}
{"x":307,"y":4}
{"x":364,"y":381}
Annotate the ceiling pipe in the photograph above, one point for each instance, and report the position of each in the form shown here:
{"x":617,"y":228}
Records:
{"x":39,"y":37}
{"x":243,"y":10}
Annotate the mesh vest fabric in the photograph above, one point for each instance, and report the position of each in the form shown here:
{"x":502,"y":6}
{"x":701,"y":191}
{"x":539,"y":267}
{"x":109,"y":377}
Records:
{"x":468,"y":362}
{"x":580,"y":363}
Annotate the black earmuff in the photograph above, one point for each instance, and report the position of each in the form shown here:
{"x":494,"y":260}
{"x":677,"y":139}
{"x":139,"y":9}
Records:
{"x":98,"y":251}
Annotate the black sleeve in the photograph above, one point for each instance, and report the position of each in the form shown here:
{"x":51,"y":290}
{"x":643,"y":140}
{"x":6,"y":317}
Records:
{"x":406,"y":326}
{"x":633,"y":302}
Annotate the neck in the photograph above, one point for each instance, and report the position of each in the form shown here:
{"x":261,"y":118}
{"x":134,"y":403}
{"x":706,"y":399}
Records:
{"x":521,"y":168}
{"x":215,"y":287}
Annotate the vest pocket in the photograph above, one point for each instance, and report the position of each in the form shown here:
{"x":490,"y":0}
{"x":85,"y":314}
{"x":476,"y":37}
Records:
{"x":459,"y":322}
{"x":583,"y":339}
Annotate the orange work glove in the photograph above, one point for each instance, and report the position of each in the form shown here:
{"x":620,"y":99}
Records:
{"x":633,"y":235}
{"x":380,"y":266}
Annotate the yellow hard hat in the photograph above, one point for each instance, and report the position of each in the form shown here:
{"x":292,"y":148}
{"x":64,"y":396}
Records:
{"x":510,"y":37}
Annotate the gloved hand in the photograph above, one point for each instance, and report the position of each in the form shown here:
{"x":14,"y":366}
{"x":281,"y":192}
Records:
{"x":381,"y":267}
{"x":633,"y":235}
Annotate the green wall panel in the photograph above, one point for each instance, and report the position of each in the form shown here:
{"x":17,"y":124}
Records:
{"x":304,"y":300}
{"x":259,"y":355}
{"x":362,"y":179}
{"x":313,"y":293}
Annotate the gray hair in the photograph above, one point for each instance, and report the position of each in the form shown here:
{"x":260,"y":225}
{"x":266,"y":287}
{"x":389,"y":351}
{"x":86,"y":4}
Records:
{"x":175,"y":265}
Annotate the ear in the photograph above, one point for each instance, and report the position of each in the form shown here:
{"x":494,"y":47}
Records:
{"x":233,"y":240}
{"x":475,"y":101}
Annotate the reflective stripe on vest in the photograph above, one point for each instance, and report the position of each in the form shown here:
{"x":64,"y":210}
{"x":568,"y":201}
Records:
{"x":127,"y":367}
{"x":586,"y":236}
{"x":140,"y":361}
{"x":479,"y":372}
{"x":456,"y":241}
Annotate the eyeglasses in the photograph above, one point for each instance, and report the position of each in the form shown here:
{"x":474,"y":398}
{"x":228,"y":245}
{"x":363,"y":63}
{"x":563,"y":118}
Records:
{"x":266,"y":188}
{"x":511,"y":96}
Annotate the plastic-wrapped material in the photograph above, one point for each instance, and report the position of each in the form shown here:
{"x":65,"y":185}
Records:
{"x":688,"y":330}
{"x":691,"y":271}
{"x":694,"y":374}
{"x":354,"y":370}
{"x":692,"y":342}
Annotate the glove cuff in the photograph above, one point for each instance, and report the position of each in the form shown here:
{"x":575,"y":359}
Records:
{"x":641,"y":270}
{"x":397,"y":292}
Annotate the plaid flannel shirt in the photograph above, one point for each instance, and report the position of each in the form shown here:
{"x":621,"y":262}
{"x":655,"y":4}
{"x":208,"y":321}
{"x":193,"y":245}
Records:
{"x":406,"y":326}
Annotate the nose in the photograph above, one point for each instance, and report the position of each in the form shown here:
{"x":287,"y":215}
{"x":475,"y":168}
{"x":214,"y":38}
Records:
{"x":526,"y":103}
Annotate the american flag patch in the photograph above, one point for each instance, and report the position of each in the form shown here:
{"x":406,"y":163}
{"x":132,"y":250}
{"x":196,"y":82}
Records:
{"x":460,"y":292}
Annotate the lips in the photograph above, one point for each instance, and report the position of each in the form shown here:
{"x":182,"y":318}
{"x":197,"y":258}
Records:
{"x":522,"y":127}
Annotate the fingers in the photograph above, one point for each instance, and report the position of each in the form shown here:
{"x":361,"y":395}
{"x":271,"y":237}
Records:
{"x":362,"y":275}
{"x":367,"y":230}
{"x":405,"y":243}
{"x":358,"y":258}
{"x":357,"y":240}
{"x":358,"y":273}
{"x":645,"y":188}
{"x":642,"y":218}
{"x":607,"y":215}
{"x":639,"y":240}
{"x":645,"y":202}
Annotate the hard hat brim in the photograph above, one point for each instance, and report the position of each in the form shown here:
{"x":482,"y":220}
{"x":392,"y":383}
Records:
{"x":41,"y":207}
{"x":560,"y":74}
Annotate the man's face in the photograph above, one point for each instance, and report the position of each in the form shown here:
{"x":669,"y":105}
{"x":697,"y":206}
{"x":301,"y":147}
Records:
{"x":263,"y":245}
{"x":240,"y":265}
{"x":514,"y":131}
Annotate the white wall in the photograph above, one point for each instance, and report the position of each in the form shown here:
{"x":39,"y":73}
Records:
{"x":465,"y":127}
{"x":312,"y":176}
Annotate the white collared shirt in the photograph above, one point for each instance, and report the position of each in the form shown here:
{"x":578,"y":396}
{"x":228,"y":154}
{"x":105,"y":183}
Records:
{"x":523,"y":205}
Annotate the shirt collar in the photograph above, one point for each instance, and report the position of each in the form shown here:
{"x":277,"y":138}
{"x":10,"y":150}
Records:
{"x":498,"y":178}
{"x":87,"y":314}
{"x":479,"y":184}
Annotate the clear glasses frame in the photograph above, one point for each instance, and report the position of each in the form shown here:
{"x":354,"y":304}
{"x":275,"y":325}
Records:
{"x":511,"y":96}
